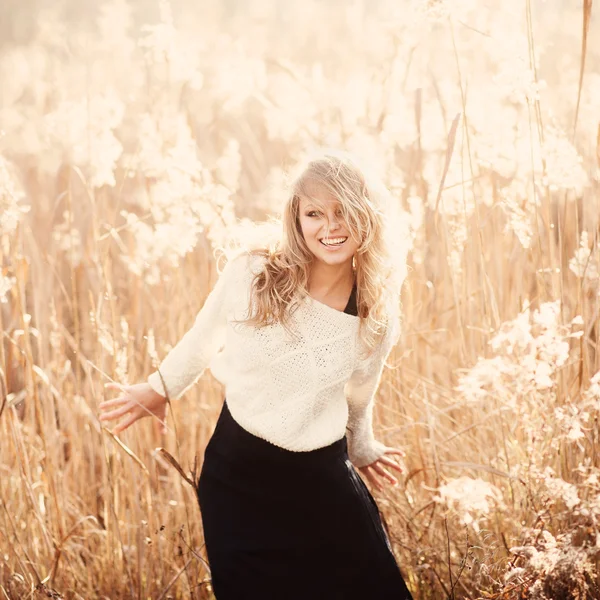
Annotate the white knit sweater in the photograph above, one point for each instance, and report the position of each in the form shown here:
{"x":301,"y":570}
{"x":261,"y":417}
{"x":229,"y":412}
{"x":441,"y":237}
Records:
{"x":300,"y":394}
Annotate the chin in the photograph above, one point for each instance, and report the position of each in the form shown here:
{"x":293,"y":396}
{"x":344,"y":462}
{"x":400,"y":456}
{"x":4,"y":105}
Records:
{"x":334,"y":259}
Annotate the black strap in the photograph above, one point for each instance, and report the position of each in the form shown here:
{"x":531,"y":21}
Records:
{"x":351,"y":307}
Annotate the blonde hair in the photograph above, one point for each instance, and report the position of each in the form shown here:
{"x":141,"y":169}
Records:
{"x":282,"y":284}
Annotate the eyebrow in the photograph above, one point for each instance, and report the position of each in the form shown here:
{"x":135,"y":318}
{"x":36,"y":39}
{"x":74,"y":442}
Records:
{"x":317,"y":207}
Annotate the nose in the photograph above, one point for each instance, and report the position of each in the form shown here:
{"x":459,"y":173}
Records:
{"x":333,"y":225}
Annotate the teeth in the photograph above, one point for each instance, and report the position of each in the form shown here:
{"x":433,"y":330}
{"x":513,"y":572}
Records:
{"x":333,"y":241}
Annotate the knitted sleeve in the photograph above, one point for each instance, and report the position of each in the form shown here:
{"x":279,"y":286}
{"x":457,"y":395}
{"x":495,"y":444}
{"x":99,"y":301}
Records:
{"x":186,"y":362}
{"x":363,"y":448}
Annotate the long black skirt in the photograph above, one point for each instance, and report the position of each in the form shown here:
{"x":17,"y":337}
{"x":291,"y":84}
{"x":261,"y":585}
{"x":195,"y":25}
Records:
{"x":283,"y":525}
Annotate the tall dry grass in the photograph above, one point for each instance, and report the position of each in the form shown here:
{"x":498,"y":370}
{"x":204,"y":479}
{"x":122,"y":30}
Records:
{"x":129,"y":149}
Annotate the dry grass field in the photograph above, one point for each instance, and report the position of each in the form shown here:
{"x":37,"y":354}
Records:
{"x":136,"y":137}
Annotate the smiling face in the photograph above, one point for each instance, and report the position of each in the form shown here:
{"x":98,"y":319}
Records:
{"x":324,"y":229}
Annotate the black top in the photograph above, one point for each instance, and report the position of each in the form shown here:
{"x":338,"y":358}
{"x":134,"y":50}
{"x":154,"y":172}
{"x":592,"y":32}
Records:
{"x":351,"y":307}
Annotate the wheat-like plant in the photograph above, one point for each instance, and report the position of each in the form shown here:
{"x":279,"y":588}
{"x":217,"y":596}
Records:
{"x":135,"y":138}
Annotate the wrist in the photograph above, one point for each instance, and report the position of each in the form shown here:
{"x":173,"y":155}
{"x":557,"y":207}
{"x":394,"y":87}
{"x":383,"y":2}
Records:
{"x":156,"y":384}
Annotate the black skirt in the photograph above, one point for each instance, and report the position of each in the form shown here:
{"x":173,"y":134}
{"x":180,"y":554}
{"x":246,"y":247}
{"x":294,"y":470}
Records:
{"x":283,"y":525}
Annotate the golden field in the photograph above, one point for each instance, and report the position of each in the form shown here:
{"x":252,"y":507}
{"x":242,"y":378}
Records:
{"x":136,"y":137}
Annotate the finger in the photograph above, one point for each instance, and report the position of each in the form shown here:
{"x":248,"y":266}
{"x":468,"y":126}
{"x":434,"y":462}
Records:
{"x":163,"y":416}
{"x":113,"y":385}
{"x":115,"y":414}
{"x":380,"y":470}
{"x":132,"y":418}
{"x":383,"y":473}
{"x":391,"y":463}
{"x":397,"y":451}
{"x":114,"y":402}
{"x":160,"y":424}
{"x":161,"y":412}
{"x":371,"y":478}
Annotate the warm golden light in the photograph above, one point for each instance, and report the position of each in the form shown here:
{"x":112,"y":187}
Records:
{"x":138,"y":137}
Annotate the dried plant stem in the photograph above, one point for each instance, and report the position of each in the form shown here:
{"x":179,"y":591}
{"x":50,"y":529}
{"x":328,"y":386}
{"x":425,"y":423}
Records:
{"x":587,"y":18}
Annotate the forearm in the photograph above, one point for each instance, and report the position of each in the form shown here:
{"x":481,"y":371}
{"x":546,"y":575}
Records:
{"x":182,"y":366}
{"x":186,"y":362}
{"x":363,"y":448}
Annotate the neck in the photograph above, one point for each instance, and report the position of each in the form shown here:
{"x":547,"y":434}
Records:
{"x":328,"y":278}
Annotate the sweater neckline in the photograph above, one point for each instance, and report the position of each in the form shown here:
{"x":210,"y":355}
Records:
{"x":330,"y":309}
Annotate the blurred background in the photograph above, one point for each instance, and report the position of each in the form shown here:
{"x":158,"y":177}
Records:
{"x":138,"y":137}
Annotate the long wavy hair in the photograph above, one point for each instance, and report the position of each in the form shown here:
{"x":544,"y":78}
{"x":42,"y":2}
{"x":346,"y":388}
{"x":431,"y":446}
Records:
{"x":282,"y":284}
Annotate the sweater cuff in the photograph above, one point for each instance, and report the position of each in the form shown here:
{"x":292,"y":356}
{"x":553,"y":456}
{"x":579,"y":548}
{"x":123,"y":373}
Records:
{"x":363,"y":454}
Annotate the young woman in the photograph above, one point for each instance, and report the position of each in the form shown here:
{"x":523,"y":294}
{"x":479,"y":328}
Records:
{"x":298,"y":334}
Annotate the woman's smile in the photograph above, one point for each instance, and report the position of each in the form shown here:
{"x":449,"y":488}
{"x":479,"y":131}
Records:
{"x":333,"y":243}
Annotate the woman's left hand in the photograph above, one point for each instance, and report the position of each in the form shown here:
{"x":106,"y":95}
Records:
{"x":376,"y":473}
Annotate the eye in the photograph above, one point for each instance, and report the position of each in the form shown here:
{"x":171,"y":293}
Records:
{"x":311,"y":213}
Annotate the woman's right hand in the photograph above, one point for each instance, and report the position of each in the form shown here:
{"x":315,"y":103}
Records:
{"x":136,"y":401}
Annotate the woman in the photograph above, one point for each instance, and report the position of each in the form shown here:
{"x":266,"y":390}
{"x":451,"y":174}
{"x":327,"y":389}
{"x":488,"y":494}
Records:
{"x":298,"y":334}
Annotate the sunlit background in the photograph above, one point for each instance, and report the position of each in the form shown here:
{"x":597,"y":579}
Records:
{"x":137,"y":137}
